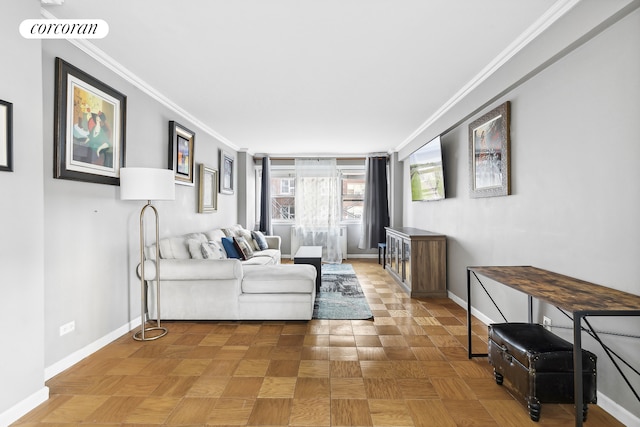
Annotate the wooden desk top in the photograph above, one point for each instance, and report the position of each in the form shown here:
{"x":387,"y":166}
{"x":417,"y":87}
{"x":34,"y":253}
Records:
{"x":562,"y":291}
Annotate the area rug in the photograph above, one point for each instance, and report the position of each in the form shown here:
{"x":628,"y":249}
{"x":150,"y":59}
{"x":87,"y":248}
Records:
{"x":340,"y":296}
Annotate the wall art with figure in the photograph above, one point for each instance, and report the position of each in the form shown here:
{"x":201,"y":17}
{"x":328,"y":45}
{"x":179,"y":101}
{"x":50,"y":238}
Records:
{"x":181,"y":153}
{"x":90,"y":127}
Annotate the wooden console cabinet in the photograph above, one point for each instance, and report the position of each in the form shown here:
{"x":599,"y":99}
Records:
{"x":417,"y":259}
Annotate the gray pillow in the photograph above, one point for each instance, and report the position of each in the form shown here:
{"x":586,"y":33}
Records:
{"x":260,"y":239}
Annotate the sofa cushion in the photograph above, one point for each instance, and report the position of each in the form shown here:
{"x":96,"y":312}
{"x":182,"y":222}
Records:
{"x":271,"y":253}
{"x":230,"y":248}
{"x":259,"y":260}
{"x":215,"y":235}
{"x":280,"y":278}
{"x":201,"y":237}
{"x":174,"y":248}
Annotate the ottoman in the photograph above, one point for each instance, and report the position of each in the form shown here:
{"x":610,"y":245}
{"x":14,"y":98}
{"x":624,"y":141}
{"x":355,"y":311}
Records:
{"x":538,"y":365}
{"x":277,"y":292}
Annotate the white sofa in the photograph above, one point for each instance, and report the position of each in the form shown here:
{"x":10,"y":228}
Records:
{"x":193,"y":287}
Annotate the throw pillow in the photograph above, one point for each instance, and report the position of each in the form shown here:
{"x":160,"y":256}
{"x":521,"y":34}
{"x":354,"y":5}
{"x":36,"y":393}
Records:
{"x":244,"y":233}
{"x":230,"y":248}
{"x":211,"y":250}
{"x":194,"y":248}
{"x":243,"y":247}
{"x":207,"y":251}
{"x":260,"y":239}
{"x":229,"y":232}
{"x":218,"y":249}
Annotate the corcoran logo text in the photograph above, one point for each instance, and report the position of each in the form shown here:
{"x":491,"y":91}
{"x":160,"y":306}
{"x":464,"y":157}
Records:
{"x":64,"y":28}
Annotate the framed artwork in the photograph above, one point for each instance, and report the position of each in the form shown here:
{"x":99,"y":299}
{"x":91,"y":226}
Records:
{"x":6,"y":136}
{"x":489,"y":152}
{"x":208,"y":198}
{"x":226,"y":169}
{"x":90,"y":119}
{"x":181,"y":153}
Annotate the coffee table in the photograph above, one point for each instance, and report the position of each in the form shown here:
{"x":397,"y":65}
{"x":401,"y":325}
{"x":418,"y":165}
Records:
{"x":311,"y":255}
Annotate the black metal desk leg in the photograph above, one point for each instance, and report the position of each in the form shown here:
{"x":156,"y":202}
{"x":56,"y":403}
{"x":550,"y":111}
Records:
{"x":530,"y":306}
{"x":577,"y":367}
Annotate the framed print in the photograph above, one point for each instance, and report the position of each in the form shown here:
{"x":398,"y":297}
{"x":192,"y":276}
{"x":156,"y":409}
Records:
{"x":89,"y":132}
{"x":489,"y":152}
{"x":6,"y":136}
{"x":181,"y":153}
{"x":226,"y":169}
{"x":208,"y":198}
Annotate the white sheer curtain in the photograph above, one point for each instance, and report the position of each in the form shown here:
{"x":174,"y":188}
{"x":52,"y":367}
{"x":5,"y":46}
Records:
{"x":317,"y":214}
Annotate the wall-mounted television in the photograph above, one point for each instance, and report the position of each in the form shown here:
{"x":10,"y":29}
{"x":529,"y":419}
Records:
{"x":427,"y":172}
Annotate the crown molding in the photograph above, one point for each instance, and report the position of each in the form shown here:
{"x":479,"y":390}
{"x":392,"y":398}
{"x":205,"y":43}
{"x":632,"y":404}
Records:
{"x":113,"y":65}
{"x":555,"y":12}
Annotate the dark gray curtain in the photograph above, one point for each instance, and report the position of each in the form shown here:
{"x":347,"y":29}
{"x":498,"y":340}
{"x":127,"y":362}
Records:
{"x":375,"y":216}
{"x":265,"y":197}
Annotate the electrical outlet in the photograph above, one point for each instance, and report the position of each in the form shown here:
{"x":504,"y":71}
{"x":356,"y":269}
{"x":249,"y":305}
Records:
{"x":67,"y":328}
{"x":546,"y":322}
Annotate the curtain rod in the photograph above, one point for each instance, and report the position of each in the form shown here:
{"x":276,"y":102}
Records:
{"x":311,"y":156}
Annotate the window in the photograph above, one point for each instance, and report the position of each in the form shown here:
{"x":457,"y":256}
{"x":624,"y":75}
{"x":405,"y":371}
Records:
{"x":283,"y":192}
{"x":287,"y":185}
{"x":352,"y":195}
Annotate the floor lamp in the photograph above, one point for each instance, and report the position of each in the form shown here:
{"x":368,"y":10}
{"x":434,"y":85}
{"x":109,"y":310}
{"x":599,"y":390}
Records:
{"x":148,"y":184}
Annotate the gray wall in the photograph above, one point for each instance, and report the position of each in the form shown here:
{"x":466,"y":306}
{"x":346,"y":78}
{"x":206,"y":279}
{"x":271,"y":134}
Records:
{"x":91,"y":237}
{"x":575,"y":202}
{"x":69,"y":248}
{"x":246,"y":190}
{"x":22,"y":217}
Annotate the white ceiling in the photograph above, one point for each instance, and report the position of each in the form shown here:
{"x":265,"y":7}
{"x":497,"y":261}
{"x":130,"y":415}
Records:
{"x":307,"y":76}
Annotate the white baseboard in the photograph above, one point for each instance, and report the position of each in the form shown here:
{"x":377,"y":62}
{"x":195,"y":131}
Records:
{"x":30,"y":403}
{"x":359,"y":256}
{"x":77,"y":356}
{"x":21,"y":408}
{"x":612,"y":408}
{"x":617,"y":411}
{"x":480,"y":316}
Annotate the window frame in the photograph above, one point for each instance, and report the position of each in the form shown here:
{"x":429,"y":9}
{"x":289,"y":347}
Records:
{"x":290,"y":171}
{"x":344,"y":172}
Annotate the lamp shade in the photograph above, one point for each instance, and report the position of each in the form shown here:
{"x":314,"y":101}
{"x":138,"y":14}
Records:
{"x":147,"y":184}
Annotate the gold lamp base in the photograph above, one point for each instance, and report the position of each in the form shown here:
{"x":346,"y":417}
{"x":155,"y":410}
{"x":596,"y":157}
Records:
{"x":155,"y":333}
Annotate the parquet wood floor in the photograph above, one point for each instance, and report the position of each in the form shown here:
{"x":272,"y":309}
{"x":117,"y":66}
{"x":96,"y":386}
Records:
{"x":407,"y":367}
